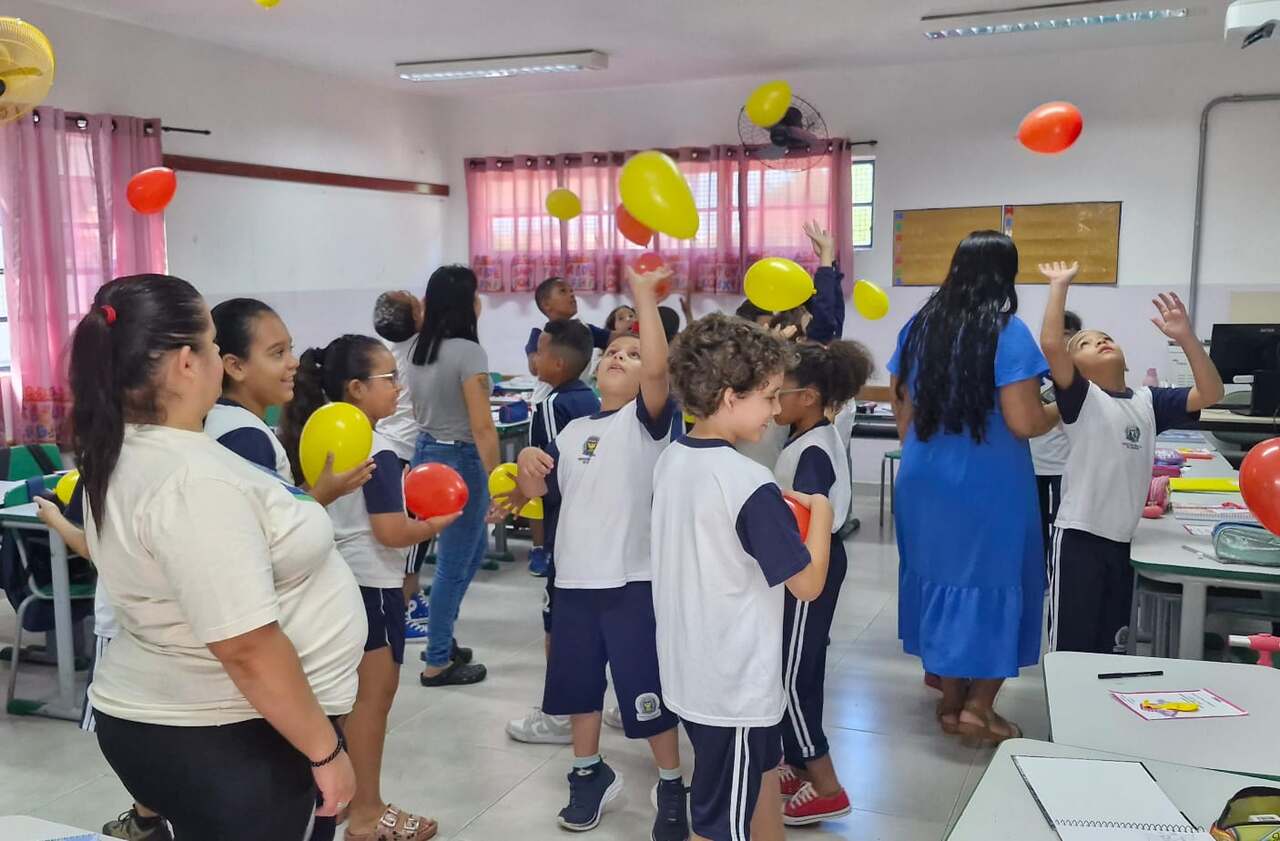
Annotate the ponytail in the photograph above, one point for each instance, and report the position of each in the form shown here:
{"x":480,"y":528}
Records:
{"x":837,"y":370}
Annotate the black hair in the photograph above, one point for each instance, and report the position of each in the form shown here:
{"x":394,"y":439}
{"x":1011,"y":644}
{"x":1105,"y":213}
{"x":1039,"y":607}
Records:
{"x":233,"y":325}
{"x":570,"y":339}
{"x":1071,"y":322}
{"x":837,"y":370}
{"x":393,"y":318}
{"x":750,"y":311}
{"x":948,"y":355}
{"x":670,"y":322}
{"x":794,"y":317}
{"x":543,"y":291}
{"x":610,"y":323}
{"x":113,"y":367}
{"x":323,"y":374}
{"x":450,"y":311}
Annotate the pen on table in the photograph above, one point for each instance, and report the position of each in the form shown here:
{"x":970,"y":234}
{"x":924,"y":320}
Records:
{"x":1113,"y":675}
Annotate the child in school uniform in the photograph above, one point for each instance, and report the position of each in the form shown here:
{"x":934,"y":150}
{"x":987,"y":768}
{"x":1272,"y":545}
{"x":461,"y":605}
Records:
{"x":815,"y":460}
{"x":1112,"y":430}
{"x":599,"y":467}
{"x":555,"y":299}
{"x":372,"y":532}
{"x":723,"y":541}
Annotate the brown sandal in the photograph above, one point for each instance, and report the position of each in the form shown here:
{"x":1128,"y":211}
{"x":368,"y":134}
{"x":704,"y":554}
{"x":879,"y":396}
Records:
{"x":948,"y":720}
{"x":992,"y":730}
{"x":396,"y":825}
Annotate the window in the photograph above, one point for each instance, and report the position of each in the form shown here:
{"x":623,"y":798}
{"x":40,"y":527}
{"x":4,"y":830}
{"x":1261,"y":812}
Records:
{"x":863,"y":173}
{"x":4,"y":314}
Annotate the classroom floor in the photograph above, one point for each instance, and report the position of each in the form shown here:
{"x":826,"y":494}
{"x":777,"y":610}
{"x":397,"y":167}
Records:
{"x":448,"y":756}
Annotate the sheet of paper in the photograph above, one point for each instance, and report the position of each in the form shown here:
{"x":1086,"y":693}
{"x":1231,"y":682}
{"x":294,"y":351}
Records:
{"x":1211,"y":705}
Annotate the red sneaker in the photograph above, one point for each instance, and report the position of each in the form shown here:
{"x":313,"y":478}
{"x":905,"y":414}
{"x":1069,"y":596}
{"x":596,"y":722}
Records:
{"x":788,"y":780}
{"x":807,"y":807}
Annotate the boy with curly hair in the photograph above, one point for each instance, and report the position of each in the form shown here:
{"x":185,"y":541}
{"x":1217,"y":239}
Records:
{"x":723,"y":540}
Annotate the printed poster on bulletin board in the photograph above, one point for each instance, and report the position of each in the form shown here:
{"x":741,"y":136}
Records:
{"x":1084,"y":231}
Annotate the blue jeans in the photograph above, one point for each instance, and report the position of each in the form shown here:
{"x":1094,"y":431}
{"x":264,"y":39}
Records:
{"x":460,"y":548}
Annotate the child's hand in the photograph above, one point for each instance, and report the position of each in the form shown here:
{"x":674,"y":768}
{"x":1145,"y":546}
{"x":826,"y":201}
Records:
{"x":439,"y":524}
{"x":811,"y":501}
{"x":648,"y":281}
{"x":1059,"y":273}
{"x":824,"y":245}
{"x":48,"y":511}
{"x":535,"y":463}
{"x":330,"y":486}
{"x":1172,"y":319}
{"x":501,"y":507}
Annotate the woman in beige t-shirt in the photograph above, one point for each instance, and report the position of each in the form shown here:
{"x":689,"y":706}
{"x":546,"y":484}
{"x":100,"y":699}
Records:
{"x":241,"y":626}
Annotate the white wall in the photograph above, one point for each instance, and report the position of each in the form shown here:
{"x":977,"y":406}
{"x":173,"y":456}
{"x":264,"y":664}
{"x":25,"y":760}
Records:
{"x":319,"y":254}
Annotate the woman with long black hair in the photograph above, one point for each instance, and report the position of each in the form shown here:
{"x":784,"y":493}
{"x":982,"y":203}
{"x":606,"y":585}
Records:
{"x":450,"y":385}
{"x":966,"y":384}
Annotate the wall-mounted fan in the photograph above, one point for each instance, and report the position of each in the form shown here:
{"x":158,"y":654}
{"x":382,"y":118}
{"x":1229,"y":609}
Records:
{"x":793,"y":143}
{"x":26,"y":68}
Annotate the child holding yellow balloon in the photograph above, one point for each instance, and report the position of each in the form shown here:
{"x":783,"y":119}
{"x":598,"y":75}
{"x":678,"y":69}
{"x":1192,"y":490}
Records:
{"x":372,"y":532}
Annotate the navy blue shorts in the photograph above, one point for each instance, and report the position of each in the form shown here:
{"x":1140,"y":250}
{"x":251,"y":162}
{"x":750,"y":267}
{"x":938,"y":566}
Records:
{"x":384,"y":608}
{"x":614,"y":627}
{"x":549,"y":597}
{"x":728,"y":765}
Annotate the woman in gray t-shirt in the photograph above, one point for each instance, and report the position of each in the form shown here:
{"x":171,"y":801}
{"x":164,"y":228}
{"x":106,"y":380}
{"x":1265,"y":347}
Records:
{"x":450,"y":384}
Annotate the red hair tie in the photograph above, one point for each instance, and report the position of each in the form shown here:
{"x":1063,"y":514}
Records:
{"x":109,"y":313}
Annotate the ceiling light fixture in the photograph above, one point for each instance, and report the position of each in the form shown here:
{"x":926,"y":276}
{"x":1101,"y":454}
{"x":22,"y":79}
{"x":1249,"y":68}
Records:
{"x":499,"y":67}
{"x":1055,"y":24}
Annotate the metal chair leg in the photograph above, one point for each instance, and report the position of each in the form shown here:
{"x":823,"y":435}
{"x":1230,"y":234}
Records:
{"x":893,"y":469}
{"x":882,"y":463}
{"x":17,"y":650}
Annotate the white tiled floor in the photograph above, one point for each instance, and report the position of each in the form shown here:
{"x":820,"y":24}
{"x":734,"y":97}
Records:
{"x":447,"y":754}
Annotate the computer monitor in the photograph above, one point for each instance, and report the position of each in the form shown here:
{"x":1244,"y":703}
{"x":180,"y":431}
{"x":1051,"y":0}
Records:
{"x":1242,"y":349}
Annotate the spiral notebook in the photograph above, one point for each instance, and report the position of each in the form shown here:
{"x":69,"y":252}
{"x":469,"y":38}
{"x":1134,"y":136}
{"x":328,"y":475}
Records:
{"x":1104,"y":800}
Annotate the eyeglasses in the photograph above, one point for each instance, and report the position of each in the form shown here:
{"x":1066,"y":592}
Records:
{"x":783,"y":391}
{"x":394,"y":376}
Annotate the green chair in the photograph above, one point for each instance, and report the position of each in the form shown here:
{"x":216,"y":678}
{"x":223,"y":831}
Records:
{"x":890,"y":461}
{"x":27,"y":460}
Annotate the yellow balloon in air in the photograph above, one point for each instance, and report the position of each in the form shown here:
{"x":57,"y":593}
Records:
{"x":870,"y":300}
{"x":268,"y":4}
{"x":656,"y":194}
{"x":768,"y":104}
{"x":563,"y":204}
{"x":502,"y":480}
{"x":776,"y":284}
{"x":337,"y":428}
{"x":66,"y":487}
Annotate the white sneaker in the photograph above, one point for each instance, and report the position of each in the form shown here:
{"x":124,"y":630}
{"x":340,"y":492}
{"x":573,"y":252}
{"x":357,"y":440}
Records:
{"x":613,"y":717}
{"x":538,"y":728}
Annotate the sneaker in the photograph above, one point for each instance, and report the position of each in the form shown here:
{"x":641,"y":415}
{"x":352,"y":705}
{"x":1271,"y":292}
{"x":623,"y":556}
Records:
{"x":419,"y":607}
{"x":539,"y":728}
{"x":807,"y":807}
{"x":788,"y":780}
{"x":539,"y":561}
{"x":672,"y":821}
{"x":131,"y":826}
{"x":612,"y":716}
{"x":590,"y":789}
{"x":460,"y":654}
{"x":415,"y":631}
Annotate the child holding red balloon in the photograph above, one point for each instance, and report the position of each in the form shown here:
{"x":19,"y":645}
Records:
{"x":723,"y":540}
{"x":372,"y":532}
{"x":815,"y":460}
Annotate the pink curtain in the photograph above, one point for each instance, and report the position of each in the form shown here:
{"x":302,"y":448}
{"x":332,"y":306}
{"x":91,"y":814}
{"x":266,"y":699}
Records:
{"x":68,"y":229}
{"x":515,"y":244}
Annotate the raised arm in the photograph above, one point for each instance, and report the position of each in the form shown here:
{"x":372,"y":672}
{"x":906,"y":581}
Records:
{"x":1172,"y":320}
{"x":654,"y":383}
{"x":1053,"y":340}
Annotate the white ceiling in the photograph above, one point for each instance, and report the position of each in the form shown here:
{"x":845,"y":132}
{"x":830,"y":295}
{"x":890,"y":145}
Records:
{"x":648,"y":41}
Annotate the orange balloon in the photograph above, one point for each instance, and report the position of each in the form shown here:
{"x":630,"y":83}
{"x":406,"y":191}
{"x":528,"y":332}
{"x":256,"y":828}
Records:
{"x":151,"y":190}
{"x":1260,"y":483}
{"x":631,"y":229}
{"x":1051,"y":128}
{"x":434,"y":490}
{"x":801,"y":514}
{"x":648,"y":262}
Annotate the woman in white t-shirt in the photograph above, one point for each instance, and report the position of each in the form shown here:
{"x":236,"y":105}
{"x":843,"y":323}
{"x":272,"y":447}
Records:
{"x":240,"y":624}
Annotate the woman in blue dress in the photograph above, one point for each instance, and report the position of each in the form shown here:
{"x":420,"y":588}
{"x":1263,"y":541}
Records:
{"x":966,"y":380}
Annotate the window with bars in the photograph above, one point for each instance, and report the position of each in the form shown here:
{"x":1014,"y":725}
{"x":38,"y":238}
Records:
{"x":863,"y":175}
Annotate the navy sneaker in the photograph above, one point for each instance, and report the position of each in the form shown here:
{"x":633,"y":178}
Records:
{"x":539,"y":562}
{"x":419,"y":607}
{"x":589,"y":790}
{"x":415,"y":631}
{"x":672,"y":822}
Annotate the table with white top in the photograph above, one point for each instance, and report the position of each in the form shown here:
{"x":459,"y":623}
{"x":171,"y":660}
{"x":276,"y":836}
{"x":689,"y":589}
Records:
{"x":23,"y":828}
{"x":1002,"y":806}
{"x":1083,"y":714}
{"x":1225,"y":420}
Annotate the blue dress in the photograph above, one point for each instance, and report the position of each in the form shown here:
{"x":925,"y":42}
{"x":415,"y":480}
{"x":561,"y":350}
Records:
{"x":971,"y":557}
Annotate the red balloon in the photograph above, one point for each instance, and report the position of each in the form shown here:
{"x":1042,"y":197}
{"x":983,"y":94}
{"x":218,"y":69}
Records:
{"x":631,"y":229}
{"x":801,"y":514}
{"x":1051,"y":128}
{"x":648,"y":262}
{"x":151,"y":190}
{"x":1260,"y":483}
{"x":434,"y":490}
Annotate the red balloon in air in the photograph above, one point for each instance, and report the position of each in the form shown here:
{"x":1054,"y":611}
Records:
{"x":632,"y":229}
{"x":801,"y":514}
{"x":1051,"y":128}
{"x":1260,"y":483}
{"x":648,"y":262}
{"x":151,"y":190}
{"x":434,"y":490}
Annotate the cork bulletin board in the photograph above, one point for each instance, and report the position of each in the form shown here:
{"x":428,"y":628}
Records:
{"x":924,"y":240}
{"x":1084,"y":231}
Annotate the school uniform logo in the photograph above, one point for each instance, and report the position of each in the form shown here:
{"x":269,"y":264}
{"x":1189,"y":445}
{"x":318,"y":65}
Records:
{"x":589,"y":449}
{"x":648,"y":707}
{"x":1132,"y":437}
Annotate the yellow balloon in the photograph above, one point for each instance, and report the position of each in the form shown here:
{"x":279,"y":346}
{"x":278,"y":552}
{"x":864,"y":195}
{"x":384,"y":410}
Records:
{"x":268,"y":4}
{"x":870,"y":300}
{"x":690,"y":419}
{"x":769,"y":103}
{"x":776,"y":284}
{"x":532,"y":509}
{"x":66,"y":486}
{"x":502,"y":480}
{"x":563,"y":204}
{"x":656,"y":194}
{"x":337,"y":428}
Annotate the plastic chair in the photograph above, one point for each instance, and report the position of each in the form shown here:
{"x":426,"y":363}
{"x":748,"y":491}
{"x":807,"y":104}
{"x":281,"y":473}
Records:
{"x":27,"y":461}
{"x":890,"y":461}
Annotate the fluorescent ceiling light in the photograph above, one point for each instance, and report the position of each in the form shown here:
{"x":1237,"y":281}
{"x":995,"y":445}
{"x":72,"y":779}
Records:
{"x":1054,"y":24}
{"x":499,"y":67}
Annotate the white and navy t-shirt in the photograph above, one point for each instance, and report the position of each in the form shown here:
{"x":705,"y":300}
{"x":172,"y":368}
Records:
{"x":564,"y":403}
{"x":816,"y":462}
{"x":723,"y":542}
{"x":248,"y":436}
{"x":401,"y":428}
{"x":602,"y":486}
{"x":765,"y":452}
{"x":1112,"y":447}
{"x":373,"y":564}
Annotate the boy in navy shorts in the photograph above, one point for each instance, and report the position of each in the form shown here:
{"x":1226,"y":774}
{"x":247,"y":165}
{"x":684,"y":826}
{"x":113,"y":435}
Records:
{"x":723,"y":540}
{"x":598,"y":469}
